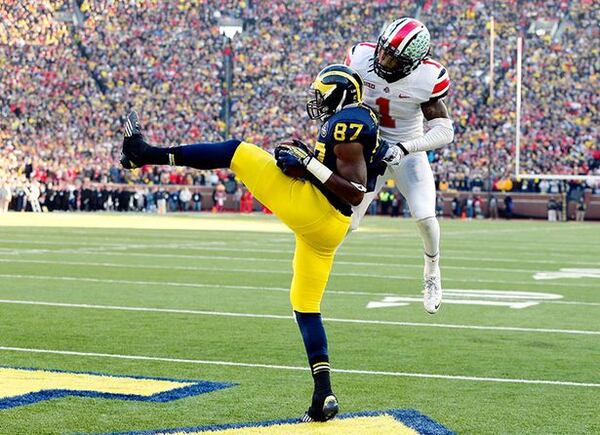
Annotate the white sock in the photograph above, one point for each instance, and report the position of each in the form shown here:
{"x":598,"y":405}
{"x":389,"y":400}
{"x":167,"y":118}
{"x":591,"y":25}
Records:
{"x":429,"y":228}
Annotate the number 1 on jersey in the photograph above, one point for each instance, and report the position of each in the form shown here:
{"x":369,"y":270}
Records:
{"x":384,"y":110}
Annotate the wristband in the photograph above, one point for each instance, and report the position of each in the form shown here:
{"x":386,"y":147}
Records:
{"x":319,"y":170}
{"x":402,"y":148}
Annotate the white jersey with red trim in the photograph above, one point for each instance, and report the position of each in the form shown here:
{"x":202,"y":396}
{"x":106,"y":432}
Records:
{"x":398,"y":103}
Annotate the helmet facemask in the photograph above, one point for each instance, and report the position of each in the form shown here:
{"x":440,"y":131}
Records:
{"x":316,"y":108}
{"x":390,"y":66}
{"x":323,"y":106}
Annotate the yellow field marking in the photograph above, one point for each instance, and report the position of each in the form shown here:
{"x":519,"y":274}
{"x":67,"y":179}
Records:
{"x":17,"y":382}
{"x":204,"y":222}
{"x":142,"y":221}
{"x":375,"y":425}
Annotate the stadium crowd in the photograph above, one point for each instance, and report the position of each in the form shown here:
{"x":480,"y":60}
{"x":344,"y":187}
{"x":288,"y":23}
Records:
{"x":64,"y":87}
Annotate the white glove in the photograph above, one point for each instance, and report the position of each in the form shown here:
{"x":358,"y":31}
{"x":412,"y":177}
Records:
{"x":394,"y":155}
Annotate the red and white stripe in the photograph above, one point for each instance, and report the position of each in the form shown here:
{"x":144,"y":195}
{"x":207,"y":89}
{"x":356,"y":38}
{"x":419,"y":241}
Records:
{"x":442,"y":85}
{"x":401,"y":35}
{"x":433,"y":62}
{"x":350,"y":51}
{"x":348,"y":59}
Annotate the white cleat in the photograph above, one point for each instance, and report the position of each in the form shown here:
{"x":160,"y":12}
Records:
{"x":432,"y":293}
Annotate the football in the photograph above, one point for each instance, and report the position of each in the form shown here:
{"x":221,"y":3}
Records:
{"x":295,"y":172}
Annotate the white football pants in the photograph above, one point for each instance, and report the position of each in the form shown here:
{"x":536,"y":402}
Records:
{"x":414,"y":179}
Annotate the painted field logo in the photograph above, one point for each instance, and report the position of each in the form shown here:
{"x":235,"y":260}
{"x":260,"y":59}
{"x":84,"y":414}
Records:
{"x":568,"y":273}
{"x":394,"y":421}
{"x":23,"y":386}
{"x":498,"y":298}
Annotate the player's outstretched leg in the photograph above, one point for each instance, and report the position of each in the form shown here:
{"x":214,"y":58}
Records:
{"x":414,"y":179}
{"x":429,"y":229}
{"x":134,"y":145}
{"x":137,"y":152}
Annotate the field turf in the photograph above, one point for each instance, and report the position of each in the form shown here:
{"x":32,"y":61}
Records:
{"x":211,"y":304}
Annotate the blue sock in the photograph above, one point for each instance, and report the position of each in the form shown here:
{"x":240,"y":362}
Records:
{"x":315,"y":343}
{"x":212,"y":155}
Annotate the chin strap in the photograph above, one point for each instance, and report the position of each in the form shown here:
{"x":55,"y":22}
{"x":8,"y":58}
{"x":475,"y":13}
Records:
{"x":440,"y":133}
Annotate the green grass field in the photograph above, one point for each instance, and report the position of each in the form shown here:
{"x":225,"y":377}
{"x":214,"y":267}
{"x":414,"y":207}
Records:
{"x":490,"y":353}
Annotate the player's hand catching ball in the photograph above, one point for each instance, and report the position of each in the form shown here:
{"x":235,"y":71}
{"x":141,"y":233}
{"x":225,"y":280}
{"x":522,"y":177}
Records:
{"x":292,"y":157}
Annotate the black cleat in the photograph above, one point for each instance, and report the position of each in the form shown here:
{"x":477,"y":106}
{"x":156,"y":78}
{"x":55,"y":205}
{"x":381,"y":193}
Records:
{"x":323,"y":408}
{"x":134,"y":145}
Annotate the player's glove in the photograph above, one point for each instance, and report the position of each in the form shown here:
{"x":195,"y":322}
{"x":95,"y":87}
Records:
{"x":292,"y":154}
{"x":394,"y":154}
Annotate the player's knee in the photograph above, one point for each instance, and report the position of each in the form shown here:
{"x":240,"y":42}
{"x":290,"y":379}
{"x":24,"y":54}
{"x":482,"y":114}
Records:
{"x":305,"y":303}
{"x":428,"y":224}
{"x":232,"y":145}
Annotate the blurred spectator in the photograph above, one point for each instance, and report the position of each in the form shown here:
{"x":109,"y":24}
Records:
{"x":581,"y":209}
{"x":197,"y":201}
{"x":470,"y":207}
{"x":508,"y":207}
{"x":439,"y":206}
{"x":185,"y":196}
{"x":477,"y":208}
{"x":246,"y":202}
{"x":385,"y":199}
{"x":63,"y":86}
{"x":559,"y":208}
{"x":396,"y":203}
{"x":552,"y":208}
{"x":455,"y":209}
{"x":219,"y":196}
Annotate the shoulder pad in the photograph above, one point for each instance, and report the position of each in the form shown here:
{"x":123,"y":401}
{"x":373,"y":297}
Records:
{"x":359,"y":51}
{"x":441,"y":80}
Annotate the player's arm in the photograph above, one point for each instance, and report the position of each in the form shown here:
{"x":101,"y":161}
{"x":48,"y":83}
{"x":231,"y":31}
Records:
{"x":349,"y":183}
{"x":440,"y":132}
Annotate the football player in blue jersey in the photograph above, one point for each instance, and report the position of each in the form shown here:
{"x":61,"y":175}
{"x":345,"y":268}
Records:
{"x":310,"y":189}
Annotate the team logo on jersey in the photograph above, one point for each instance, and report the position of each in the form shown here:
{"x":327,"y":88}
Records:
{"x":403,"y":96}
{"x":394,"y":421}
{"x":325,"y":128}
{"x":386,"y":89}
{"x":24,"y":386}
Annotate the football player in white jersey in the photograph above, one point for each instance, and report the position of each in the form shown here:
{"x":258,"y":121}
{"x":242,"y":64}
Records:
{"x":405,"y":87}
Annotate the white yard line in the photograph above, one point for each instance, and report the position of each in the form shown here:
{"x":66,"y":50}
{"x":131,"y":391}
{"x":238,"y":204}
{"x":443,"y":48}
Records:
{"x":345,"y":252}
{"x":288,"y":260}
{"x":354,"y":243}
{"x":167,"y":267}
{"x":158,"y":283}
{"x":298,"y":368}
{"x":233,"y":287}
{"x":289,"y":317}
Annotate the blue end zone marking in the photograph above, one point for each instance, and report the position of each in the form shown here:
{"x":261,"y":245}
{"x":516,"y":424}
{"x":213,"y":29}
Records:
{"x":409,"y":417}
{"x":199,"y":387}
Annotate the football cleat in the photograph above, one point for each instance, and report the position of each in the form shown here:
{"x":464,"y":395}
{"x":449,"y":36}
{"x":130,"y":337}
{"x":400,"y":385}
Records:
{"x":432,"y":293}
{"x":133,"y":143}
{"x":321,"y":409}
